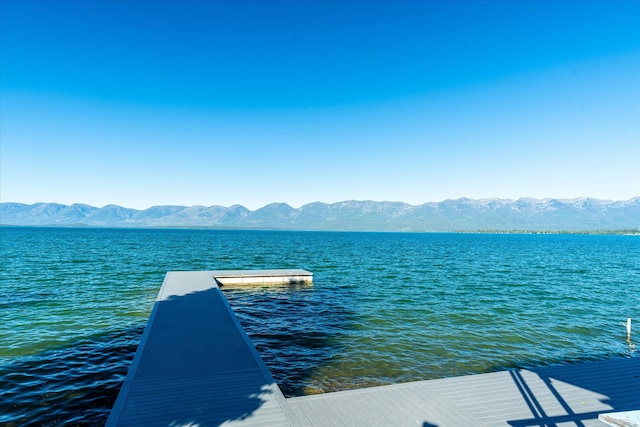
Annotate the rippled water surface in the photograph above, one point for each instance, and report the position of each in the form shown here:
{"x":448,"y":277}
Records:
{"x":384,"y":307}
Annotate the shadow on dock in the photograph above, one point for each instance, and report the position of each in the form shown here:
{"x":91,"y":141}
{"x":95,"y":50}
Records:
{"x":560,"y":395}
{"x":196,"y":366}
{"x":605,"y":386}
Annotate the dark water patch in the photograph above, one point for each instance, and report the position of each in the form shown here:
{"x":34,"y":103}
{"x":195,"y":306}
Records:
{"x":294,"y":330}
{"x":28,"y":299}
{"x":71,"y":386}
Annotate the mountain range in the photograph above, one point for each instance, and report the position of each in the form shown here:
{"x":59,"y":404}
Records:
{"x":584,"y":214}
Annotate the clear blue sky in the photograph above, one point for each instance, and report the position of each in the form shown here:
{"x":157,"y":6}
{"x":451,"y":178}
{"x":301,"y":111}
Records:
{"x":143,"y":103}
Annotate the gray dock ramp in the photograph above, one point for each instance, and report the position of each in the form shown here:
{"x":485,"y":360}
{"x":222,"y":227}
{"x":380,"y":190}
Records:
{"x":195,"y":365}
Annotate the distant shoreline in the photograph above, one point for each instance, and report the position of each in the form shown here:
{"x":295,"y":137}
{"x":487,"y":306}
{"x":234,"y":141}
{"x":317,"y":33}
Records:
{"x":520,"y":216}
{"x":213,"y":228}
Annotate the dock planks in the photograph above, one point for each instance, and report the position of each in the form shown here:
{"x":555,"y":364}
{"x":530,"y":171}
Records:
{"x":560,"y":395}
{"x":196,"y":366}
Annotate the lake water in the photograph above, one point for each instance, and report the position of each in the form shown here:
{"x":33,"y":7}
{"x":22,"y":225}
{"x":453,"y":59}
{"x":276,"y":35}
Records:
{"x":384,"y":307}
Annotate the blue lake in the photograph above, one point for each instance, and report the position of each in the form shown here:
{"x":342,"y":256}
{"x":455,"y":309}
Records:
{"x":384,"y":307}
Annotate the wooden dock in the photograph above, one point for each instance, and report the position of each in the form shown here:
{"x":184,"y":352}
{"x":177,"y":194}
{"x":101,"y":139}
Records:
{"x":195,"y":366}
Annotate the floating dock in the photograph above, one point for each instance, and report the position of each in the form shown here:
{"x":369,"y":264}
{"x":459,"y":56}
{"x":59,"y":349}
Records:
{"x":196,"y":366}
{"x":262,"y":277}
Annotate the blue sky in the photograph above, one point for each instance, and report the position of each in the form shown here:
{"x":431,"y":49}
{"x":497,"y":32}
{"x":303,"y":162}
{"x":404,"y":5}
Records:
{"x":142,"y":103}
